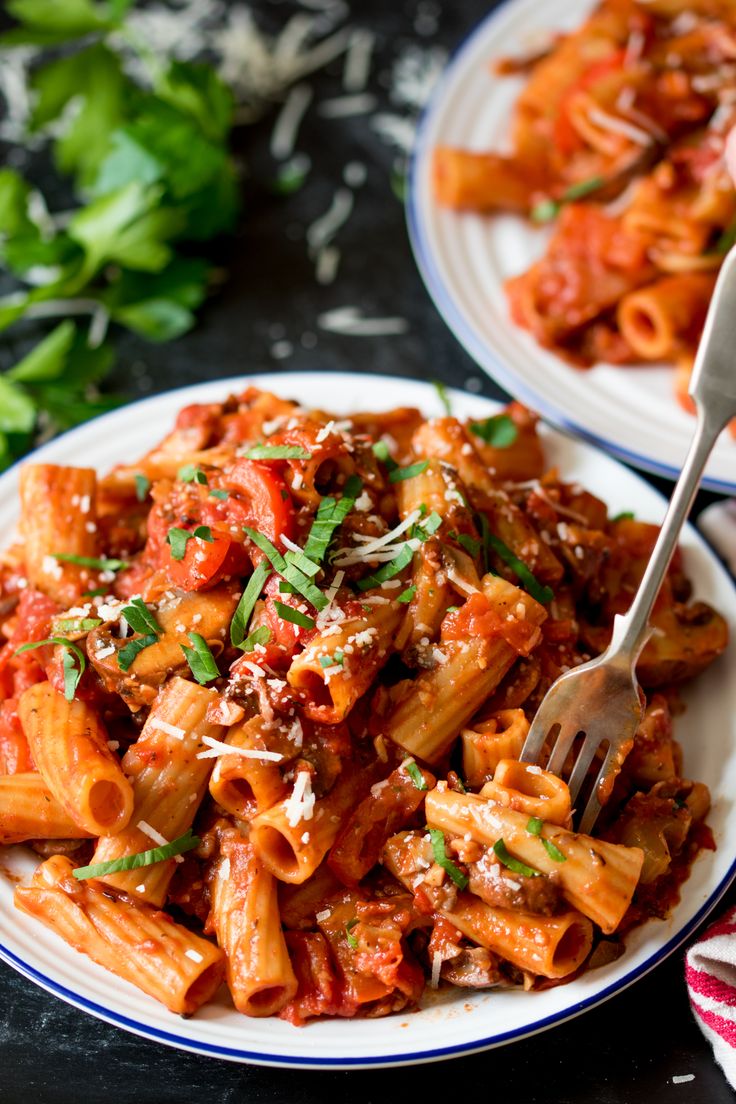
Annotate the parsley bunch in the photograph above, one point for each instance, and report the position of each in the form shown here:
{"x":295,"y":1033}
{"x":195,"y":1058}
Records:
{"x":148,"y":162}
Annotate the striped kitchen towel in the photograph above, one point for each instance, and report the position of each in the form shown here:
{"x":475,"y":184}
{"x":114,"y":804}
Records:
{"x":710,"y":973}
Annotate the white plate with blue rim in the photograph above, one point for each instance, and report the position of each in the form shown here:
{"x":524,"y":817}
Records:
{"x":465,"y":258}
{"x":452,"y":1022}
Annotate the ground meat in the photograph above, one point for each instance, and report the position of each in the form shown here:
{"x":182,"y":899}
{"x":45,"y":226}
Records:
{"x":473,"y":968}
{"x":505,"y":889}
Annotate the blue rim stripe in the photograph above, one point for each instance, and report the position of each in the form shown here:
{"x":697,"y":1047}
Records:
{"x":441,"y":295}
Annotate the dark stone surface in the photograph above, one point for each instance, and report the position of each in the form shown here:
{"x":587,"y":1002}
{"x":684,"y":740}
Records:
{"x":625,"y":1052}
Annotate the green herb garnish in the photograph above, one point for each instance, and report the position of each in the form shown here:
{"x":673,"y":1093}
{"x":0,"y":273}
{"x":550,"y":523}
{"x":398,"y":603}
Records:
{"x":471,"y":544}
{"x":398,"y":475}
{"x":191,"y":473}
{"x":74,"y":661}
{"x":513,"y":864}
{"x":548,"y":209}
{"x":248,"y":599}
{"x":535,"y":826}
{"x":143,"y":858}
{"x":288,"y":613}
{"x":261,"y":635}
{"x":335,"y":660}
{"x":81,"y":624}
{"x":625,"y":515}
{"x":222,"y":495}
{"x":541,"y":593}
{"x":407,"y":595}
{"x":553,"y":851}
{"x":142,"y":487}
{"x":499,"y":430}
{"x":393,"y":567}
{"x":133,"y":648}
{"x":440,"y":857}
{"x":443,"y":396}
{"x":178,"y":539}
{"x":415,"y":774}
{"x":140,"y":618}
{"x":277,"y":452}
{"x":91,"y":561}
{"x":288,"y":569}
{"x":330,"y":515}
{"x":352,"y":941}
{"x":200,"y":659}
{"x":381,"y":452}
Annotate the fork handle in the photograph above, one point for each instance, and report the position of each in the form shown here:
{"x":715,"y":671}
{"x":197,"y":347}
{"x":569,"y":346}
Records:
{"x":713,"y":387}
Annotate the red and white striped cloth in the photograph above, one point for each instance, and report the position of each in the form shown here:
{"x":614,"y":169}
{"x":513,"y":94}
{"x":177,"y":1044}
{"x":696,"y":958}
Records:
{"x":710,"y":973}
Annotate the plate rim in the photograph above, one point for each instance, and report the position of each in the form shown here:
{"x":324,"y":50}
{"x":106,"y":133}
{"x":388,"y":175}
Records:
{"x":441,"y":294}
{"x":411,"y":1057}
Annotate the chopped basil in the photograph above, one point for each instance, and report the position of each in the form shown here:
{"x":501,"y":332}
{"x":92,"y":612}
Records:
{"x":625,"y":515}
{"x":393,"y":567}
{"x":535,"y":826}
{"x":143,"y":858}
{"x":91,"y":561}
{"x":443,"y":396}
{"x":288,"y":569}
{"x":541,"y":593}
{"x":74,"y":661}
{"x":499,"y":430}
{"x":335,"y":660}
{"x":352,"y":941}
{"x":440,"y":857}
{"x":277,"y":452}
{"x":142,"y":487}
{"x":249,"y":597}
{"x":553,"y":851}
{"x":98,"y":592}
{"x":431,"y":524}
{"x":407,"y":595}
{"x":190,"y":473}
{"x":549,"y":208}
{"x":222,"y":495}
{"x":330,"y":515}
{"x":200,"y":659}
{"x":302,"y":563}
{"x":470,"y":544}
{"x":381,"y":452}
{"x":286,"y":588}
{"x":81,"y":624}
{"x":288,"y":613}
{"x":261,"y":635}
{"x":178,"y":539}
{"x":140,"y":618}
{"x":415,"y":774}
{"x":398,"y":475}
{"x":127,"y":654}
{"x":513,"y":864}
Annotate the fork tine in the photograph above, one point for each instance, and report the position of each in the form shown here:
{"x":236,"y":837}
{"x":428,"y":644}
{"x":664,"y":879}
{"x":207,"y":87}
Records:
{"x":535,"y":738}
{"x":582,"y":765}
{"x":593,"y":808}
{"x":562,"y":748}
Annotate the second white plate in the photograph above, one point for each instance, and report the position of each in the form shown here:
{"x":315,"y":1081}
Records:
{"x":465,"y":259}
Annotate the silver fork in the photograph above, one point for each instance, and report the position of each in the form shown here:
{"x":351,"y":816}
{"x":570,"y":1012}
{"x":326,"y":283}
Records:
{"x":600,"y":700}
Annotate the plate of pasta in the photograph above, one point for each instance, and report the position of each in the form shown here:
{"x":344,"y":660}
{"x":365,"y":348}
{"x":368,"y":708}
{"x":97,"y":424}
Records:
{"x":267,"y":665}
{"x":570,"y":207}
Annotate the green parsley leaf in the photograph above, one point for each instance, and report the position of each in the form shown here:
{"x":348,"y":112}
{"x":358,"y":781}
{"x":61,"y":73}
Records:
{"x":288,"y":613}
{"x":177,"y":540}
{"x":415,"y":774}
{"x":625,"y":515}
{"x":192,"y":473}
{"x":398,"y":475}
{"x":543,"y":594}
{"x":288,"y":569}
{"x":407,"y":595}
{"x":330,"y":515}
{"x":335,"y":660}
{"x":535,"y":826}
{"x":142,"y":487}
{"x":74,"y":661}
{"x":200,"y":659}
{"x":204,"y":533}
{"x":547,"y":209}
{"x":553,"y":851}
{"x":100,"y":564}
{"x":513,"y":864}
{"x":222,"y":495}
{"x":440,"y":857}
{"x":127,"y":654}
{"x":444,"y":396}
{"x":81,"y":624}
{"x":352,"y":941}
{"x":277,"y":452}
{"x":98,"y":592}
{"x":140,"y":618}
{"x":183,"y":843}
{"x":471,"y":544}
{"x":498,"y":431}
{"x":381,"y":452}
{"x":393,"y":567}
{"x":248,"y":599}
{"x":261,"y":635}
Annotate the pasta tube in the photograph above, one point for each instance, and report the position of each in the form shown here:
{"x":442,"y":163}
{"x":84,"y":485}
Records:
{"x":656,"y":320}
{"x":28,"y":810}
{"x":499,"y":737}
{"x":141,"y":945}
{"x":245,"y":786}
{"x":69,"y":746}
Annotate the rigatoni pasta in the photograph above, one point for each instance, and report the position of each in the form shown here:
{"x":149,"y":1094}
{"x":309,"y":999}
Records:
{"x":295,"y":714}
